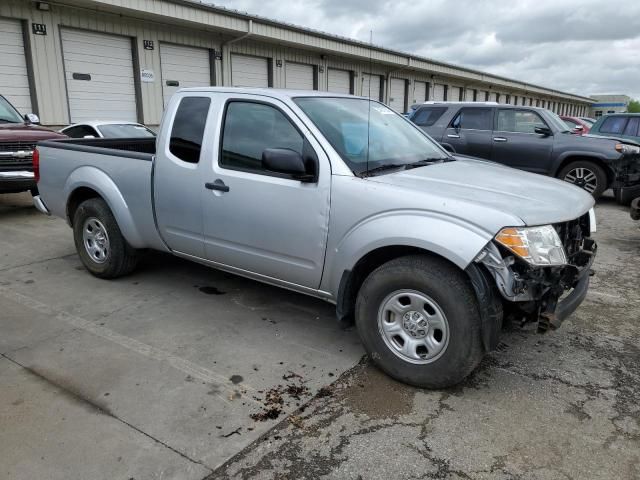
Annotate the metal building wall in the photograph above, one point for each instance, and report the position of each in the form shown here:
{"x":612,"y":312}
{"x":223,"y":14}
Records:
{"x":190,"y":25}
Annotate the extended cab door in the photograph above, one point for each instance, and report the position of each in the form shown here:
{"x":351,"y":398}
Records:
{"x":257,"y":220}
{"x":178,"y":173}
{"x":516,"y":144}
{"x":469,"y":132}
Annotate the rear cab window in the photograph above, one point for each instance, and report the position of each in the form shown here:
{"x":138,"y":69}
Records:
{"x":518,"y":121}
{"x":188,"y":126}
{"x":427,"y":116}
{"x":474,"y":119}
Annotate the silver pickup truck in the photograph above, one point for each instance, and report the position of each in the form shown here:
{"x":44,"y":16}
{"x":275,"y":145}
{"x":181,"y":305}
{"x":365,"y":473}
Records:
{"x":341,"y":198}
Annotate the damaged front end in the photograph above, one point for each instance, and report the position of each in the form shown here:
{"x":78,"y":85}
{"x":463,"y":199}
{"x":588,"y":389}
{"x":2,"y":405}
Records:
{"x":542,"y":273}
{"x":626,"y":181}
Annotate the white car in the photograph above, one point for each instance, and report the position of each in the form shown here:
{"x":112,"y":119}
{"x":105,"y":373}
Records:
{"x":107,"y":129}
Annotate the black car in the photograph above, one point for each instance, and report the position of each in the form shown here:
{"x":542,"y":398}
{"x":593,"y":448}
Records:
{"x":532,"y":139}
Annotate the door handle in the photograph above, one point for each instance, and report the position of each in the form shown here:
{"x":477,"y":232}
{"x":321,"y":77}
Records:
{"x":499,"y":139}
{"x":217,"y":185}
{"x":452,"y":135}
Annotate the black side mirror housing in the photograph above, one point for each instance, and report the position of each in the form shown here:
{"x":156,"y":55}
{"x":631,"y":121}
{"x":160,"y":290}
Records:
{"x":544,"y":131}
{"x":32,"y":119}
{"x":283,"y":160}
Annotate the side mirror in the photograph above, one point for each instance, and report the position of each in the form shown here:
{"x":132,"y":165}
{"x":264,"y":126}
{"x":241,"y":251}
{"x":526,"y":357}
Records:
{"x":32,"y":118}
{"x":88,"y":136}
{"x":579,"y":128}
{"x":283,"y":160}
{"x":544,"y":131}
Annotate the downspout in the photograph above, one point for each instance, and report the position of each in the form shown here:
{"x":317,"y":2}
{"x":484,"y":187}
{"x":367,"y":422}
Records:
{"x":388,"y":89}
{"x":224,"y":46}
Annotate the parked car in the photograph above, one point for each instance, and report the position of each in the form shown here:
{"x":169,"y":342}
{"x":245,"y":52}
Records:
{"x":18,"y":137}
{"x":578,"y":125}
{"x":623,"y":127}
{"x":108,"y":129}
{"x":532,"y":139}
{"x":424,"y":249}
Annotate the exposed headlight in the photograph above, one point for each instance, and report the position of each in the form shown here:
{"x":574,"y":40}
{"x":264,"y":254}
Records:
{"x":627,"y":149}
{"x":540,"y":246}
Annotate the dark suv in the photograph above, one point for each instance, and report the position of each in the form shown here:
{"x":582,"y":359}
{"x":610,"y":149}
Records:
{"x":532,"y":139}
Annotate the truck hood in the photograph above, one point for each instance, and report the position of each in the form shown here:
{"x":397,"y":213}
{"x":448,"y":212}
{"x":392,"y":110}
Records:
{"x":535,"y":199}
{"x":21,"y":132}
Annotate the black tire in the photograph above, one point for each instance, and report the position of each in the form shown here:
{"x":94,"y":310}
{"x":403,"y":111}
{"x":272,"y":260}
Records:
{"x":121,"y":258}
{"x":624,"y":197}
{"x":597,"y":170}
{"x":451,"y":290}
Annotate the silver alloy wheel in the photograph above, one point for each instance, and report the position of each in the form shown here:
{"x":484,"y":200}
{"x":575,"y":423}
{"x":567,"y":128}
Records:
{"x":413,"y":326}
{"x":584,"y":178}
{"x":95,"y":240}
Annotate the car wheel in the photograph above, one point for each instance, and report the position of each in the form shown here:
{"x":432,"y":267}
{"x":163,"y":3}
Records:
{"x":624,"y":197}
{"x":419,"y":321}
{"x":99,"y":243}
{"x":589,"y":176}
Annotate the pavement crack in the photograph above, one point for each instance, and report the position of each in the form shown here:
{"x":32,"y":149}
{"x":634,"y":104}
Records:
{"x":99,"y":408}
{"x":36,"y":262}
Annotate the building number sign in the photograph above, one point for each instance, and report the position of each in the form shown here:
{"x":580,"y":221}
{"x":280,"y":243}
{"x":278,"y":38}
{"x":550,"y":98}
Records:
{"x":39,"y":28}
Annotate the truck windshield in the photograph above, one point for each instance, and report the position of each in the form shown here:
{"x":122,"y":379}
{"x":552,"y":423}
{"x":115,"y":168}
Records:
{"x":8,"y":114}
{"x":368,"y":135}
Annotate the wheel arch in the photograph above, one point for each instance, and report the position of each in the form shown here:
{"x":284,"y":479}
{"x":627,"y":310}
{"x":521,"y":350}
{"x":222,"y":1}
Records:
{"x":584,"y":157}
{"x":89,"y":182}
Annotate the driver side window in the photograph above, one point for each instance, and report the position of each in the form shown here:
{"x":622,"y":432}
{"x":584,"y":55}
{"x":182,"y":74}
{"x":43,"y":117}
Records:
{"x":249,"y":129}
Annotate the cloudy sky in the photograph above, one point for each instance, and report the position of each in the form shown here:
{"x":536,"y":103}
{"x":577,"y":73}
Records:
{"x":580,"y":46}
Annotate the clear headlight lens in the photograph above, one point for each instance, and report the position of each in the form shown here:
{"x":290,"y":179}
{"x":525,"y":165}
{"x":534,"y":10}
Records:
{"x":627,"y":149}
{"x":540,"y":246}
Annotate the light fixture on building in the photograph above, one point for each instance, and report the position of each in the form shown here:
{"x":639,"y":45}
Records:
{"x":44,"y":6}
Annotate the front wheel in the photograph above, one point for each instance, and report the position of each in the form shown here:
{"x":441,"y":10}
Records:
{"x":99,"y":243}
{"x":418,"y":319}
{"x":587,"y":175}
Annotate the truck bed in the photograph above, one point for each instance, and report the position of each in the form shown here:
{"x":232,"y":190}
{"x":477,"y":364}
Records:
{"x":118,"y":170}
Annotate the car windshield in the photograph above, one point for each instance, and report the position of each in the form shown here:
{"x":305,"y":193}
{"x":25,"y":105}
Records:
{"x":125,"y":130}
{"x":353,"y":124}
{"x":8,"y":114}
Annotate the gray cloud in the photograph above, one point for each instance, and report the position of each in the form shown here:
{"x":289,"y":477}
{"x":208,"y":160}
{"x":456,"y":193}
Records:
{"x":580,"y":46}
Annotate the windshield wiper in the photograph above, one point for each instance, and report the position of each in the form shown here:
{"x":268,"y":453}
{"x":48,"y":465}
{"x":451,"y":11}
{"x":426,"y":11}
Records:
{"x":4,"y":120}
{"x":382,"y":168}
{"x":424,"y":162}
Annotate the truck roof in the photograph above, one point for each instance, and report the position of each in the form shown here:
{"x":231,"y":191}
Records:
{"x":280,"y":93}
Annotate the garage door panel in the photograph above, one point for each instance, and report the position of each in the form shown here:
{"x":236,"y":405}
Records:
{"x":188,"y":66}
{"x":108,"y":59}
{"x":419,"y":92}
{"x":397,"y":94}
{"x":299,"y":76}
{"x":14,"y":81}
{"x":249,"y":71}
{"x":339,"y":81}
{"x":371,"y":86}
{"x":438,"y":92}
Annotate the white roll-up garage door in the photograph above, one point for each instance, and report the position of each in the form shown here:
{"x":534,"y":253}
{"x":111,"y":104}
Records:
{"x":397,"y":93}
{"x":14,"y":82}
{"x":438,"y":92}
{"x":99,"y":75}
{"x":249,"y":71}
{"x":298,"y":76}
{"x":338,"y":81}
{"x":183,"y":67}
{"x":371,"y":86}
{"x":420,"y":92}
{"x":468,"y":95}
{"x":454,"y":94}
{"x":482,"y":96}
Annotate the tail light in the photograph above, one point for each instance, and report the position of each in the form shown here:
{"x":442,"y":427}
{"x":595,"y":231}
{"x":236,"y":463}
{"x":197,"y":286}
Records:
{"x":36,"y":165}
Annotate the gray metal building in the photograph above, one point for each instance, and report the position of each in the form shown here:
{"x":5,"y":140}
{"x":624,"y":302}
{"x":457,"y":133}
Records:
{"x":72,"y":60}
{"x":610,"y":103}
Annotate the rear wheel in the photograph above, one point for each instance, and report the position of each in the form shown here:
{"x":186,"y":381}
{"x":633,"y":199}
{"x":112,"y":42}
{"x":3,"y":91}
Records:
{"x":418,"y":319}
{"x":99,"y":243}
{"x":587,"y":175}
